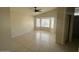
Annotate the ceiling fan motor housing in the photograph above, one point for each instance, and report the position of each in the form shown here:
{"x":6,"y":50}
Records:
{"x":37,"y":10}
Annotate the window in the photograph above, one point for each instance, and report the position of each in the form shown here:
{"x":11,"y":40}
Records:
{"x":47,"y":22}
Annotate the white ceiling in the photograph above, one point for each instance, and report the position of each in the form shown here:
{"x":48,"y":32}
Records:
{"x":30,"y":10}
{"x":44,"y":9}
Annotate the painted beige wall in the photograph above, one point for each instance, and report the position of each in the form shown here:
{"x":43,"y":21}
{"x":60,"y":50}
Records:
{"x":60,"y":25}
{"x":21,"y":21}
{"x":5,"y":33}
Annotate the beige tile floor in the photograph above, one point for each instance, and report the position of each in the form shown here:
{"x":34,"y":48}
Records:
{"x":37,"y":41}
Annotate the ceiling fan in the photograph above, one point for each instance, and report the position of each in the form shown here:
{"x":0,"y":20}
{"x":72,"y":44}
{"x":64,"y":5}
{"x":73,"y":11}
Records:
{"x":37,"y":10}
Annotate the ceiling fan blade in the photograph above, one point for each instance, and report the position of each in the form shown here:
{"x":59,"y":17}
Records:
{"x":37,"y":10}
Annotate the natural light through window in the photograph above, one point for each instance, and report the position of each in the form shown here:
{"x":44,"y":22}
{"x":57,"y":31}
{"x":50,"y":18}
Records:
{"x":47,"y":22}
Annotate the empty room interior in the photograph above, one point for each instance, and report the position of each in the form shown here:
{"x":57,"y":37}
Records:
{"x":39,"y":29}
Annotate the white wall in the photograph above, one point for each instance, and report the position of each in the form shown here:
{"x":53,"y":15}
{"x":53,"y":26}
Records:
{"x":21,"y":21}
